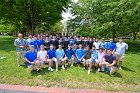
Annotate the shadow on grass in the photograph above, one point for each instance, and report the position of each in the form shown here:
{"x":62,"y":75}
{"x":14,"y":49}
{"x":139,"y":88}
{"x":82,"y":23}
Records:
{"x":127,"y":69}
{"x":116,"y":74}
{"x":45,"y":71}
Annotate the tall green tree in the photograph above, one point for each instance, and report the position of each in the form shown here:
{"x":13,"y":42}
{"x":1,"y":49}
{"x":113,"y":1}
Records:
{"x":30,"y":14}
{"x":106,"y":18}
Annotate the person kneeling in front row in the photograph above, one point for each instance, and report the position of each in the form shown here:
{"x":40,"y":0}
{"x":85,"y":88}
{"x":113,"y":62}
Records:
{"x":109,"y":60}
{"x":30,"y":57}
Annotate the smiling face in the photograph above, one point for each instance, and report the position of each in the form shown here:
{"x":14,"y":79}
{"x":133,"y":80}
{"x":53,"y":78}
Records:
{"x":111,"y":40}
{"x":121,"y":40}
{"x":60,"y":46}
{"x":20,"y":36}
{"x":93,"y":48}
{"x":108,"y":52}
{"x":32,"y":48}
{"x":46,"y":38}
{"x":75,"y":46}
{"x":100,"y":50}
{"x":42,"y":47}
{"x":87,"y":47}
{"x":69,"y":47}
{"x":30,"y":36}
{"x":51,"y":47}
{"x":80,"y":46}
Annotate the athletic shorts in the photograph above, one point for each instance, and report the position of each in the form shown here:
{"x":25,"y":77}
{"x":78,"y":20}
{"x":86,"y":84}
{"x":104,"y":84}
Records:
{"x":119,"y":57}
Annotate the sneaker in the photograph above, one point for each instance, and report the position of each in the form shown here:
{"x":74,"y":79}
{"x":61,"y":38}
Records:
{"x":71,"y":65}
{"x":88,"y":71}
{"x":38,"y":71}
{"x":63,"y":67}
{"x":84,"y":68}
{"x":51,"y":69}
{"x":56,"y":70}
{"x":120,"y":68}
{"x":98,"y":70}
{"x":18,"y":65}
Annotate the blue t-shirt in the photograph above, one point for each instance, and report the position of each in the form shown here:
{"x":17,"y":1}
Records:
{"x":74,"y":52}
{"x":102,"y":45}
{"x":111,"y":45}
{"x":59,"y":53}
{"x":31,"y":56}
{"x":80,"y":53}
{"x":40,"y":42}
{"x":51,"y":53}
{"x":69,"y":53}
{"x":95,"y":54}
{"x":110,"y":59}
{"x":71,"y":43}
{"x":34,"y":43}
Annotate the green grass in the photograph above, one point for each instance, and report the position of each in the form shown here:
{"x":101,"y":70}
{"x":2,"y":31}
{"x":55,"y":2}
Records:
{"x":75,"y":77}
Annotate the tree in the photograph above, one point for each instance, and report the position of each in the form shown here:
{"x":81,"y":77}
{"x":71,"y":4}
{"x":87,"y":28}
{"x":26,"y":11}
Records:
{"x":30,"y":14}
{"x":107,"y":18}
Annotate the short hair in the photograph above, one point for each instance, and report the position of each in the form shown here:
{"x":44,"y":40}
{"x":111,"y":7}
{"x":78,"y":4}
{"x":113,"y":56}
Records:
{"x":42,"y":46}
{"x":51,"y":44}
{"x":93,"y":46}
{"x":120,"y":37}
{"x":101,"y":48}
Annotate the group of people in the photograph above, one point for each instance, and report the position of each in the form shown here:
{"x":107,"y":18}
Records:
{"x":68,"y":50}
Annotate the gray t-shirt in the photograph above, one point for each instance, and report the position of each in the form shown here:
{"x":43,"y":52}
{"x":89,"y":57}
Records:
{"x":88,"y":54}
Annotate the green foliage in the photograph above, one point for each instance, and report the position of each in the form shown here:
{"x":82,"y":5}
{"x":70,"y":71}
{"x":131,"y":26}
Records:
{"x":108,"y":18}
{"x":29,"y":14}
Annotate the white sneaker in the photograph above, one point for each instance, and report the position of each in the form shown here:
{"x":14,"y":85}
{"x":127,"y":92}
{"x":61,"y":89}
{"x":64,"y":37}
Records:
{"x":98,"y":70}
{"x":84,"y":68}
{"x":56,"y":70}
{"x":71,"y":65}
{"x":88,"y":71}
{"x":63,"y":67}
{"x":120,"y":68}
{"x":51,"y":69}
{"x":18,"y":65}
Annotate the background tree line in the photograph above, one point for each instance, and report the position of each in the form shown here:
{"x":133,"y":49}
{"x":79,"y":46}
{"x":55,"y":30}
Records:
{"x":31,"y":15}
{"x":105,"y":18}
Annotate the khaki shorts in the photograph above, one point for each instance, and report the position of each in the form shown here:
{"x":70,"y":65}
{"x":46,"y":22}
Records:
{"x":40,"y":63}
{"x":33,"y":67}
{"x":113,"y":69}
{"x":119,"y":57}
{"x":60,"y":60}
{"x":88,"y":61}
{"x":54,"y":59}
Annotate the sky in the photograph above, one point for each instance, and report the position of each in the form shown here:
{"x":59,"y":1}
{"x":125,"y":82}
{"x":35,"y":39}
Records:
{"x":67,"y":15}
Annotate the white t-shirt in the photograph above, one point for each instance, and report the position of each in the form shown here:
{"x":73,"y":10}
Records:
{"x":42,"y":55}
{"x":97,"y":44}
{"x":121,"y":48}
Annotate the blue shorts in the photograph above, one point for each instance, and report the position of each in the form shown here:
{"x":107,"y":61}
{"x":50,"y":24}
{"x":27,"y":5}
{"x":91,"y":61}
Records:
{"x":107,"y":69}
{"x":79,"y":61}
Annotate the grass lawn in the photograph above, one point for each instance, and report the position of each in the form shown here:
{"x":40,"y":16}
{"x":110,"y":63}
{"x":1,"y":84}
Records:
{"x":74,"y":77}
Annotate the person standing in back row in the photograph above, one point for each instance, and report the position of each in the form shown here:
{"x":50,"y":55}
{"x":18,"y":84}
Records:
{"x":21,"y":45}
{"x":120,"y":51}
